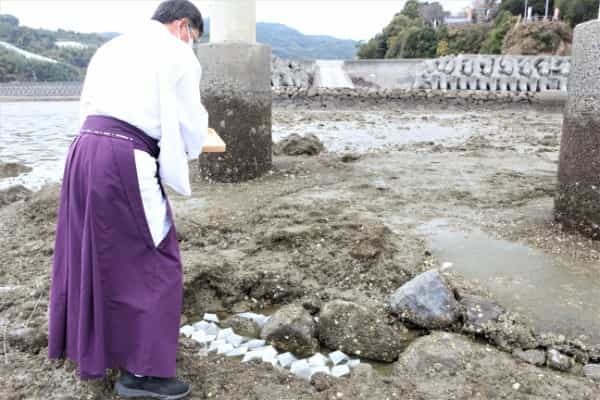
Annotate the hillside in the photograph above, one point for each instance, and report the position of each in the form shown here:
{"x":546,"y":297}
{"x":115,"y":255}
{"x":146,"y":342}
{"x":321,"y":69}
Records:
{"x":289,"y":43}
{"x":72,"y":51}
{"x":32,"y":59}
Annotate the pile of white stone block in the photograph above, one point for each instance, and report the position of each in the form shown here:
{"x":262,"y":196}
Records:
{"x":226,"y":342}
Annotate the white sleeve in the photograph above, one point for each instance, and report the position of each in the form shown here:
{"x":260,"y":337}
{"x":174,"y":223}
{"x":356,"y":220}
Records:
{"x":193,"y":118}
{"x":85,"y":100}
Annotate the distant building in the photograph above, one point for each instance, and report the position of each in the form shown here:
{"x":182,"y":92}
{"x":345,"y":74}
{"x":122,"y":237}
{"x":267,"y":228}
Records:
{"x":483,"y":11}
{"x":458,"y":20}
{"x":432,"y":13}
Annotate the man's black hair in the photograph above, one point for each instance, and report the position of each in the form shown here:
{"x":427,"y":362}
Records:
{"x":172,"y":10}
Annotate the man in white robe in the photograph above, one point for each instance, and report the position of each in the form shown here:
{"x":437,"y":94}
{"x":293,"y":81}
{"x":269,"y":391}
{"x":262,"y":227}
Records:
{"x":150,"y":78}
{"x":115,"y":298}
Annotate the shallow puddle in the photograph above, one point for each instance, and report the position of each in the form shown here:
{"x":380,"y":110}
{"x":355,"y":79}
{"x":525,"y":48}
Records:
{"x":556,"y":293}
{"x":377,"y":133}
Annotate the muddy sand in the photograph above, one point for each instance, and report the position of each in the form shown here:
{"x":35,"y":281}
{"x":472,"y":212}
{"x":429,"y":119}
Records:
{"x":472,"y":193}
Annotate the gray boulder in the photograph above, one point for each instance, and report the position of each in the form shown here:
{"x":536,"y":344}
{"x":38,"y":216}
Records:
{"x":242,"y":326}
{"x":480,"y":313}
{"x":296,"y":145}
{"x":292,"y":329}
{"x":360,"y":331}
{"x":426,"y":301}
{"x":12,"y":169}
{"x":533,"y":357}
{"x":555,"y":359}
{"x":13,"y":194}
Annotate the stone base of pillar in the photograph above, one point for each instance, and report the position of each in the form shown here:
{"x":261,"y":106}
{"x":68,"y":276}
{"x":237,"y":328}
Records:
{"x":577,"y":203}
{"x":236,"y":91}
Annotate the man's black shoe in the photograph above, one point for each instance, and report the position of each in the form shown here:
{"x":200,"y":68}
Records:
{"x":131,"y":386}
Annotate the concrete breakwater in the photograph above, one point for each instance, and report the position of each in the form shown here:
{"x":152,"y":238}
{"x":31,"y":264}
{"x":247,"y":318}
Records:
{"x":494,"y":73}
{"x":380,"y":78}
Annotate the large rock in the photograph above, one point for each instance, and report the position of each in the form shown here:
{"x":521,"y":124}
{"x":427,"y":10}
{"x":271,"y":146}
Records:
{"x":480,"y":313}
{"x":426,"y":301}
{"x":533,"y":357}
{"x":13,"y":194}
{"x":11,"y":170}
{"x":451,"y":366}
{"x":555,"y":359}
{"x":511,"y":332}
{"x":291,"y":74}
{"x":360,"y":331}
{"x":296,"y":145}
{"x":242,"y":326}
{"x":30,"y":340}
{"x":292,"y":329}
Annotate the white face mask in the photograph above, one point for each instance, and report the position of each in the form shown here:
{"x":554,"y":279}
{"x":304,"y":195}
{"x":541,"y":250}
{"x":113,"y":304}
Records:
{"x":190,"y":40}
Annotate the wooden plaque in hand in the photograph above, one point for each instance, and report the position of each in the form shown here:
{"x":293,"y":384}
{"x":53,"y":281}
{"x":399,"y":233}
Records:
{"x":213,"y":143}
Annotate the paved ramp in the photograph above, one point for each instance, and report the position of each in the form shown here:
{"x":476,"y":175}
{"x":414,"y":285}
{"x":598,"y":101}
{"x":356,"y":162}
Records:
{"x":331,"y":74}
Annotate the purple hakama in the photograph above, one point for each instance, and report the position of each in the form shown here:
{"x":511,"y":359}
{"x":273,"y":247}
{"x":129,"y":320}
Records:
{"x":116,"y":298}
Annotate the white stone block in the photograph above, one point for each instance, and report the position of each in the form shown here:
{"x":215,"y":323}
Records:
{"x":301,"y":369}
{"x":187,"y":330}
{"x":318,"y":360}
{"x":203,"y":338}
{"x":235,"y":340}
{"x":255,"y":343}
{"x":208,"y":327}
{"x":340,"y":370}
{"x":211,"y":318}
{"x":269,"y":353}
{"x":214,"y":345}
{"x":240,"y":351}
{"x":258,"y":319}
{"x":225,"y":348}
{"x":286,"y":359}
{"x":253,"y":355}
{"x":225,"y":333}
{"x":321,"y":368}
{"x":337,"y":357}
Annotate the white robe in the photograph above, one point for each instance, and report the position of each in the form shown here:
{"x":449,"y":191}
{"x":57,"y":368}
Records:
{"x":151,"y":80}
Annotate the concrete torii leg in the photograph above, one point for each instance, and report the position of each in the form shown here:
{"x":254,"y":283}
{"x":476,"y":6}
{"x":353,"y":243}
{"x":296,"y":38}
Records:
{"x":236,"y":90}
{"x":577,"y":203}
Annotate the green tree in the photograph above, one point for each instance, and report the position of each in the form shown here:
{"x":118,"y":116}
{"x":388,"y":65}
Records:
{"x":466,"y":39}
{"x":442,"y":49}
{"x":495,"y":38}
{"x":411,"y":9}
{"x":577,"y":11}
{"x":15,"y":67}
{"x":421,"y":43}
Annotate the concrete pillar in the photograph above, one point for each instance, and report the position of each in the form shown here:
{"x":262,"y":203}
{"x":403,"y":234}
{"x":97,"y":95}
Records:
{"x":577,"y":204}
{"x":236,"y":90}
{"x":233,"y":20}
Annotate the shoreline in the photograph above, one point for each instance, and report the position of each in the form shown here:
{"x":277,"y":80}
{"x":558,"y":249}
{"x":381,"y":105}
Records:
{"x":359,"y":97}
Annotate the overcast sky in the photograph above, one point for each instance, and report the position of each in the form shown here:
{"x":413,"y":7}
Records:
{"x":347,"y":19}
